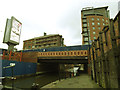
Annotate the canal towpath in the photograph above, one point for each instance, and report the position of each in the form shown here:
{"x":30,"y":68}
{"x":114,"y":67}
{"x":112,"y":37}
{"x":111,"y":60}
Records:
{"x":82,"y":81}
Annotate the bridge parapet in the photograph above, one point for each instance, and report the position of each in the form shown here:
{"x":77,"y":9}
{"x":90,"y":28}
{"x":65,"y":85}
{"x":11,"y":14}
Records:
{"x":63,"y":53}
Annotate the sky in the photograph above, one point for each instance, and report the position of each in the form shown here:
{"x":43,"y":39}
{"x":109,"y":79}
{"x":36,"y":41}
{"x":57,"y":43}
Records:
{"x":51,"y":16}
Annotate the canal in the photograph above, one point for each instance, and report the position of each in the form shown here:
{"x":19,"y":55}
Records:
{"x":27,"y":82}
{"x":41,"y":80}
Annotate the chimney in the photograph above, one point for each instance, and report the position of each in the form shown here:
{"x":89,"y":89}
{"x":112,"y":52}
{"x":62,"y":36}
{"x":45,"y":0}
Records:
{"x":45,"y":34}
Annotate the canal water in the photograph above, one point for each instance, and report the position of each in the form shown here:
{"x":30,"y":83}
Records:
{"x":27,"y":82}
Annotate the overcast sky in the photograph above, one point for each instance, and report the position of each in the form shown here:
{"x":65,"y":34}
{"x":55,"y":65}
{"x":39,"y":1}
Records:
{"x":51,"y":16}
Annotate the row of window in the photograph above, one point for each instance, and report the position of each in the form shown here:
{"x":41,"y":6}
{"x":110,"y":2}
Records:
{"x":85,"y":25}
{"x":64,"y":53}
{"x":97,"y":23}
{"x":45,"y":45}
{"x":86,"y":34}
{"x":86,"y":38}
{"x":46,"y":41}
{"x":98,"y":19}
{"x":29,"y":42}
{"x":38,"y":46}
{"x":99,"y":28}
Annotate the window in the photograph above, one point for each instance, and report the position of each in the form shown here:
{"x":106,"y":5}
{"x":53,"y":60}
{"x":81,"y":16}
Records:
{"x":98,"y":23}
{"x":93,"y":28}
{"x":84,"y":20}
{"x":33,"y":46}
{"x":85,"y":25}
{"x":94,"y":37}
{"x":99,"y":28}
{"x":102,"y":19}
{"x":29,"y":46}
{"x":98,"y":19}
{"x":106,"y":20}
{"x":103,"y":24}
{"x":85,"y":34}
{"x":92,"y":19}
{"x":94,"y":33}
{"x":93,"y":23}
{"x":85,"y":29}
{"x":85,"y":39}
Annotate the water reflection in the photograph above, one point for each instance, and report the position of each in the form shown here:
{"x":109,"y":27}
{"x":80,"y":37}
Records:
{"x":27,"y":82}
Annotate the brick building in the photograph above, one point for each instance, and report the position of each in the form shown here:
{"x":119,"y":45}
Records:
{"x":45,"y":41}
{"x":93,"y":21}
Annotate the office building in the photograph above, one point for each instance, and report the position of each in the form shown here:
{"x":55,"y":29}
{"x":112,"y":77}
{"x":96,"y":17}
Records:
{"x":45,"y":41}
{"x":93,"y":21}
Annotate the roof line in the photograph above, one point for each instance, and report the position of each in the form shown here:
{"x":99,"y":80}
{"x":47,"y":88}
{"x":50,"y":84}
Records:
{"x":41,"y":37}
{"x":85,"y":9}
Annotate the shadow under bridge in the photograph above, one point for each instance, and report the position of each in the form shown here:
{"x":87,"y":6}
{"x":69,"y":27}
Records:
{"x":64,"y":59}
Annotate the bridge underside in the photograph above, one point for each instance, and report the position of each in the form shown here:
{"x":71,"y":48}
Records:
{"x":64,"y":60}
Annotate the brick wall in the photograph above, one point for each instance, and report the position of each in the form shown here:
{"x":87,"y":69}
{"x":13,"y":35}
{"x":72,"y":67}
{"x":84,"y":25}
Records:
{"x":116,"y":31}
{"x":105,"y":67}
{"x":63,"y":53}
{"x":32,"y":56}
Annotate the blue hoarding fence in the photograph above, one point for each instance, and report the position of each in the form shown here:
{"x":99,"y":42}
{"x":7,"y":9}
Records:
{"x":0,"y":67}
{"x":20,"y":68}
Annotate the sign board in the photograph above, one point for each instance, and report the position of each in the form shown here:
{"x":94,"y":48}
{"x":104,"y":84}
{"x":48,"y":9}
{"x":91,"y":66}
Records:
{"x":15,"y":30}
{"x":12,"y":31}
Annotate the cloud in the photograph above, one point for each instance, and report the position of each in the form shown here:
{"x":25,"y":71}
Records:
{"x":51,"y":16}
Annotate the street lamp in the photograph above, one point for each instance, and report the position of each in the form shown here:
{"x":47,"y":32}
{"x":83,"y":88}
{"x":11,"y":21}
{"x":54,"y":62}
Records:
{"x":11,"y":66}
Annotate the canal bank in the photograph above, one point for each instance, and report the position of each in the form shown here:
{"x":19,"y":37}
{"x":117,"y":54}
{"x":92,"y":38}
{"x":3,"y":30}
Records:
{"x":82,"y":81}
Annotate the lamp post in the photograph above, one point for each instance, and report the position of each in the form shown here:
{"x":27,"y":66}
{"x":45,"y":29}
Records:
{"x":11,"y":66}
